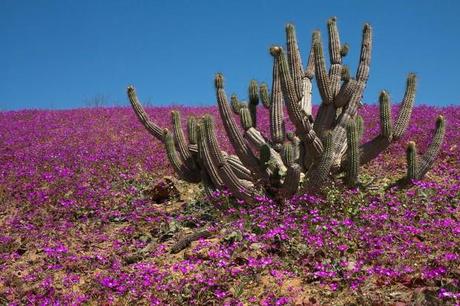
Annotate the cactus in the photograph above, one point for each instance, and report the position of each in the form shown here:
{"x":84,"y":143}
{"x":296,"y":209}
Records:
{"x":192,"y":130}
{"x":318,"y":150}
{"x":359,"y":127}
{"x":236,"y":104}
{"x":416,"y":169}
{"x":288,"y":154}
{"x":264,"y":96}
{"x":276,"y":105}
{"x":179,"y":140}
{"x":253,"y":101}
{"x":374,"y":147}
{"x":246,"y":118}
{"x":351,"y":178}
{"x":411,"y":156}
{"x":386,"y":124}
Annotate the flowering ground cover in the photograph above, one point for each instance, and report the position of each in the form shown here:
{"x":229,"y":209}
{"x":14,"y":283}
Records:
{"x":80,"y":222}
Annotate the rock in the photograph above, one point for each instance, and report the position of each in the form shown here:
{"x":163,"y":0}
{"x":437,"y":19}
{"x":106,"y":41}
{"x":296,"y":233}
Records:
{"x":163,"y":191}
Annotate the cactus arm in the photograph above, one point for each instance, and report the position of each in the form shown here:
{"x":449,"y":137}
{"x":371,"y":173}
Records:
{"x":277,"y":130}
{"x":288,"y":154}
{"x":240,"y":170}
{"x":264,"y":95}
{"x":407,"y":105}
{"x":242,"y":149}
{"x":320,"y":169}
{"x":335,"y":77}
{"x":427,"y":160}
{"x":209,"y":184}
{"x":236,"y":104}
{"x":412,"y":163}
{"x":326,"y":113}
{"x":362,"y":74}
{"x":359,"y":126}
{"x":310,"y":68}
{"x":206,"y":159}
{"x":291,"y":181}
{"x":306,"y":103}
{"x":351,"y":178}
{"x":216,"y":153}
{"x":322,"y":77}
{"x":153,"y":129}
{"x":324,"y":119}
{"x":246,"y":118}
{"x":180,"y":142}
{"x":335,"y":71}
{"x":287,"y":84}
{"x":346,"y":92}
{"x":175,"y":160}
{"x":255,"y":137}
{"x":294,"y":59}
{"x":418,"y":167}
{"x":253,"y":101}
{"x":192,"y":130}
{"x":296,"y":145}
{"x":251,"y":134}
{"x":298,"y":117}
{"x":386,"y":124}
{"x":240,"y":188}
{"x":334,"y":41}
{"x":374,"y":147}
{"x":371,"y":149}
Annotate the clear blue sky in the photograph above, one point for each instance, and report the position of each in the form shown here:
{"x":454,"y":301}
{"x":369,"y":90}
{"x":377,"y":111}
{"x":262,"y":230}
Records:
{"x":57,"y":54}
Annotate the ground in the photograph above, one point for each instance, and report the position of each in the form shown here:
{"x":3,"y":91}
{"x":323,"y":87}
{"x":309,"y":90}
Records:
{"x":84,"y":220}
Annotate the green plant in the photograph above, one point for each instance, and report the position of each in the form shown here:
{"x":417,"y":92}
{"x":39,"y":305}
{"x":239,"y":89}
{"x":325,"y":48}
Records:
{"x":320,"y":148}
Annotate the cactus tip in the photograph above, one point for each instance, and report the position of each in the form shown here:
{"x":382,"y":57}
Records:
{"x":290,"y":27}
{"x":383,"y":96}
{"x":130,"y":89}
{"x":219,"y":81}
{"x":367,"y":27}
{"x":275,"y":50}
{"x":439,"y":120}
{"x":331,"y":20}
{"x":316,"y":35}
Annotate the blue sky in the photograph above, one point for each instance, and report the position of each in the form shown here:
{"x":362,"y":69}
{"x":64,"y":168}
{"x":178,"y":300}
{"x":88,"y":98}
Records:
{"x":60,"y":54}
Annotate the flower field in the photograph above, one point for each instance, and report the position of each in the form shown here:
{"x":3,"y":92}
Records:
{"x":81,"y":223}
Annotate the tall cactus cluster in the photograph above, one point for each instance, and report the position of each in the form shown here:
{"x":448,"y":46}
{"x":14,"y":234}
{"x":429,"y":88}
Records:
{"x":299,"y":161}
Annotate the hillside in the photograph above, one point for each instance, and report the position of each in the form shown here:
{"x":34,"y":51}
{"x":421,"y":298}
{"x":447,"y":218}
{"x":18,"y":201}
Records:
{"x":85,"y":219}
